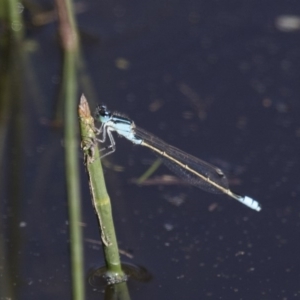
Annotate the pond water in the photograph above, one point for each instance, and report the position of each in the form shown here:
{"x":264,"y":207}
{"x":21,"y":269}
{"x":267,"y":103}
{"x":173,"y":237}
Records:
{"x":217,"y":79}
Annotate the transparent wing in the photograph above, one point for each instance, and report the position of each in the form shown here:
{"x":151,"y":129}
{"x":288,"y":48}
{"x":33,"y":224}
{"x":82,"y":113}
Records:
{"x":209,"y":172}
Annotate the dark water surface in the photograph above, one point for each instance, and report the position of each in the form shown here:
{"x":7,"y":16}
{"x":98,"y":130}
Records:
{"x":217,"y":79}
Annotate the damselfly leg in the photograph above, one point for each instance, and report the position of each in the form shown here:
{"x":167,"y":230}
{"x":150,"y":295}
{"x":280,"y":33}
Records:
{"x":104,"y":131}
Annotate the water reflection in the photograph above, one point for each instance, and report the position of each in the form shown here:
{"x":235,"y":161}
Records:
{"x":100,"y":277}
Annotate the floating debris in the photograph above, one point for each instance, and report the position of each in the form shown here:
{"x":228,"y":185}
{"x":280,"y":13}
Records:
{"x":288,"y":23}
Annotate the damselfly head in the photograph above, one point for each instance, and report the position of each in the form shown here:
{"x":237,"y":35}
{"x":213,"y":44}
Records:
{"x":102,"y":113}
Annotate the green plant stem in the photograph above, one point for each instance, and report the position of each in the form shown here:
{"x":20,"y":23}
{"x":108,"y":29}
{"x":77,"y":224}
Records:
{"x":11,"y":100}
{"x":99,"y":194}
{"x":69,"y":41}
{"x":15,"y":19}
{"x":149,"y":171}
{"x":117,"y":292}
{"x":72,"y":176}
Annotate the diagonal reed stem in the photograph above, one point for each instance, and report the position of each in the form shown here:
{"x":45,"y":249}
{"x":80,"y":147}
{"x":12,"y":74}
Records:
{"x":100,"y":198}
